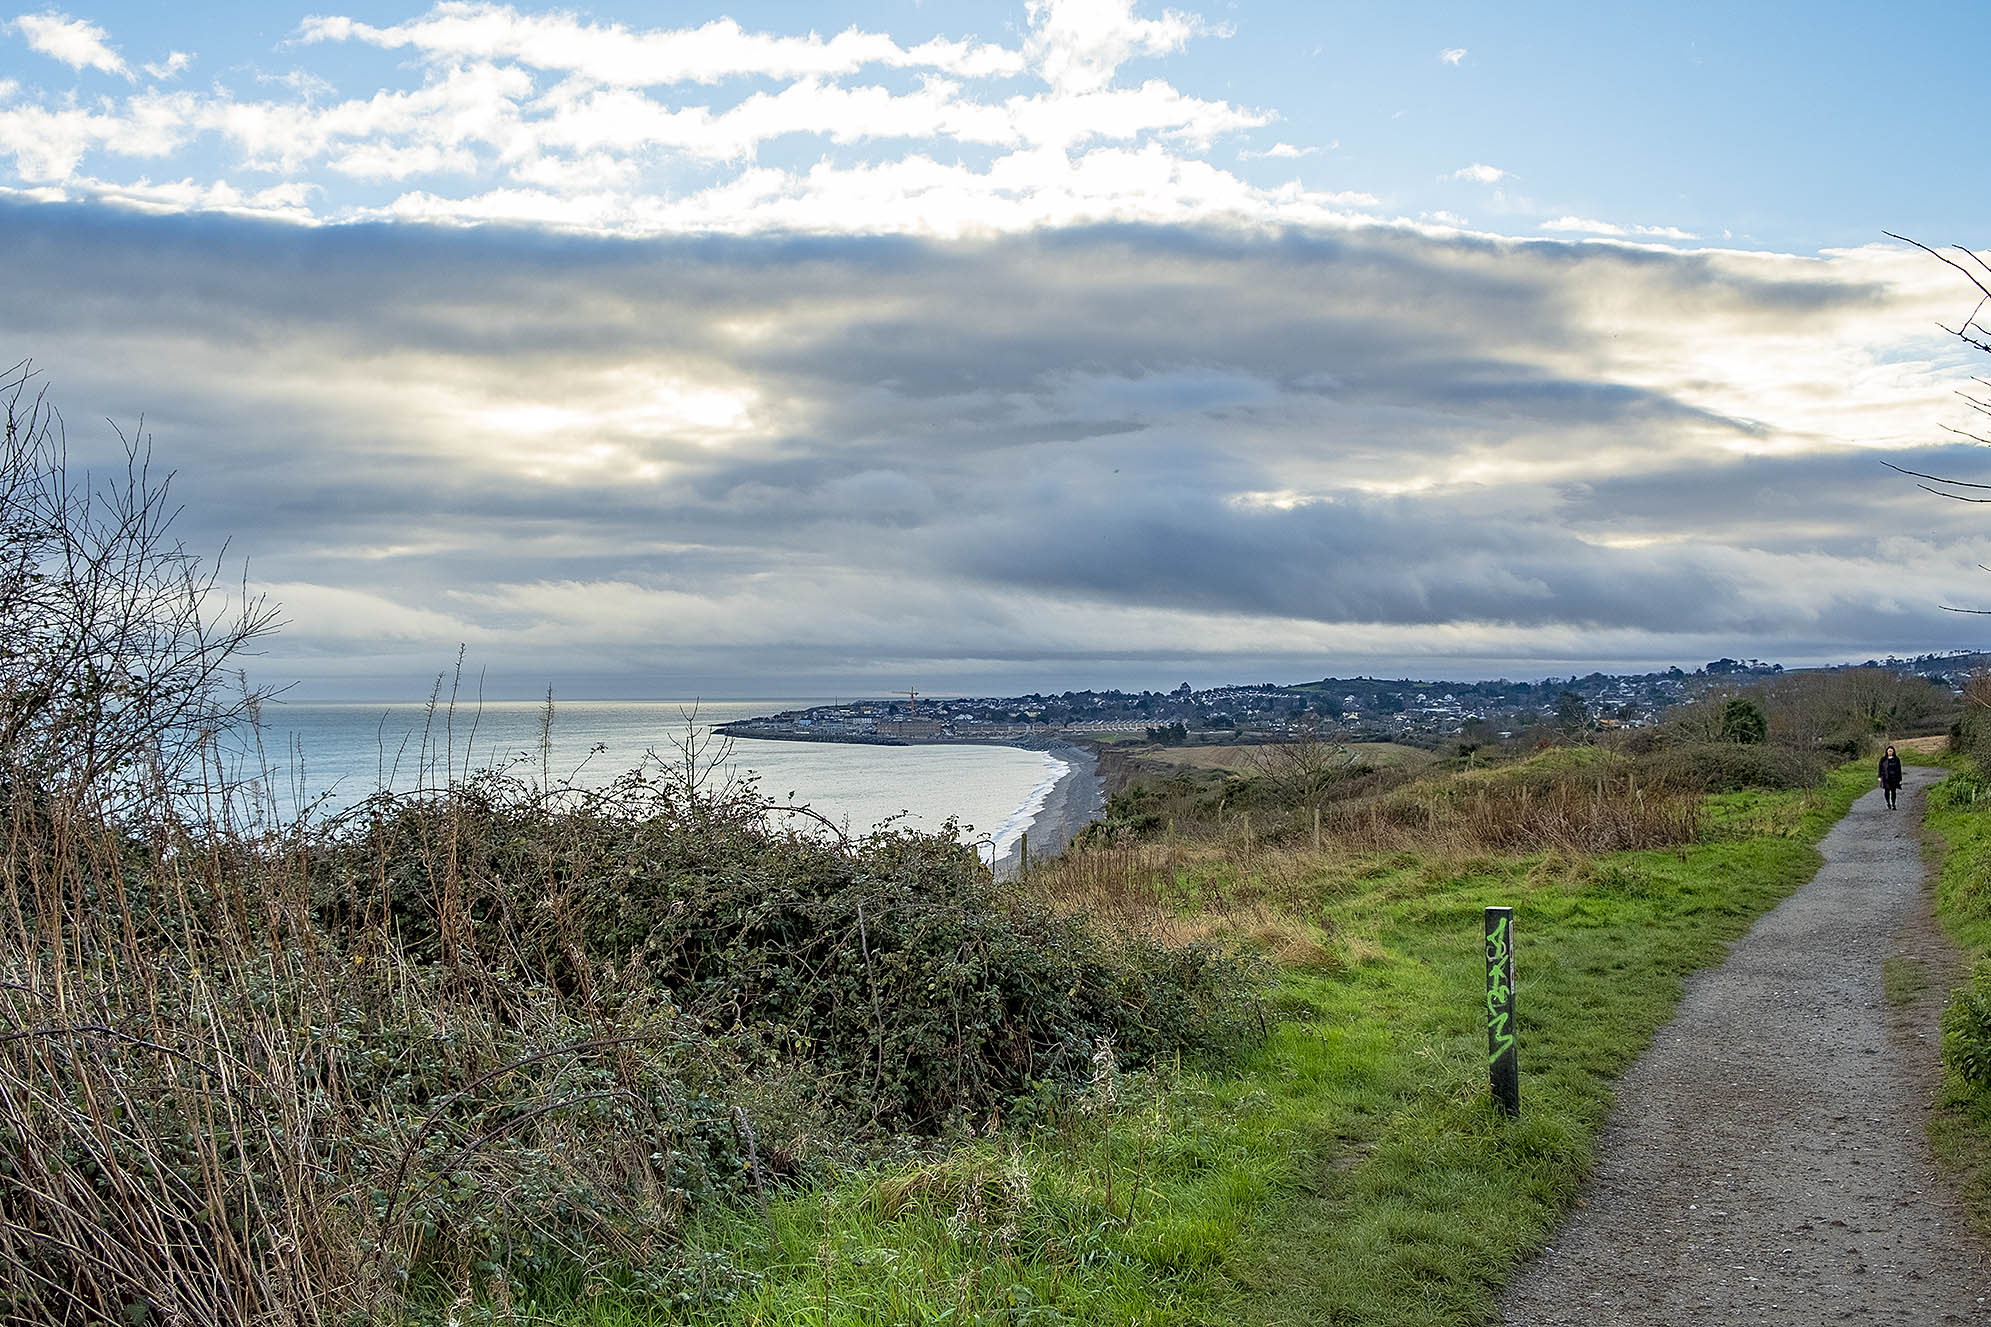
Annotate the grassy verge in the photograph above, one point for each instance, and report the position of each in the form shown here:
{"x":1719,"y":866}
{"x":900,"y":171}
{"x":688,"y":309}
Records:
{"x":1961,"y":1130}
{"x":1349,"y":1168}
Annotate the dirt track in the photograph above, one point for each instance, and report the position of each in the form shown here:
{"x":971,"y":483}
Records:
{"x":1767,"y":1161}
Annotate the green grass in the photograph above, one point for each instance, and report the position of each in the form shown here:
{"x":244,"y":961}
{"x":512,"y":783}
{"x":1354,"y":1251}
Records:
{"x":1961,"y":1129}
{"x":1349,"y":1169}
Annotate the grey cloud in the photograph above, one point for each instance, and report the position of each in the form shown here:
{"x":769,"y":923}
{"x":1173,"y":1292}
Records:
{"x":1352,"y":560}
{"x":1083,"y":415}
{"x":1840,"y":502}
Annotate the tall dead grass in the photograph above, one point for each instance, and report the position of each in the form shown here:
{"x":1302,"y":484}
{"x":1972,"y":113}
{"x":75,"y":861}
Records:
{"x":1577,"y":815}
{"x":215,"y":1115}
{"x":1235,"y":882}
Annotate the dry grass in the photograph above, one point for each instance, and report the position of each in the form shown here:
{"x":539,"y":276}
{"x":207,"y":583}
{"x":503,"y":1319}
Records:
{"x":135,"y":1107}
{"x":1183,"y":894}
{"x":1233,"y":882}
{"x":221,"y":1109}
{"x":1244,"y":759}
{"x":1610,"y":812}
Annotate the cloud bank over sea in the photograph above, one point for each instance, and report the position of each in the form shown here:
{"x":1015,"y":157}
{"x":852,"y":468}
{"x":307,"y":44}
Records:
{"x":1110,"y":452}
{"x":726,"y":359}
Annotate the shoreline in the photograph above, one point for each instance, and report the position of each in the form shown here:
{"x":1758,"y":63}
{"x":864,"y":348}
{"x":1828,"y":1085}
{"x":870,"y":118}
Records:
{"x":1074,"y":802}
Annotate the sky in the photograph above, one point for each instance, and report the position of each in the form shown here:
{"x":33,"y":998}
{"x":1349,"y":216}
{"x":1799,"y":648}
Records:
{"x":783,"y":349}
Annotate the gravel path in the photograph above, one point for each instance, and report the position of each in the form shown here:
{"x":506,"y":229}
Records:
{"x":1767,"y":1160}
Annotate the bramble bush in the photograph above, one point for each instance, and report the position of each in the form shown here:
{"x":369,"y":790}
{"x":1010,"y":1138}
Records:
{"x":921,"y":993}
{"x":460,"y":1043}
{"x":1720,"y":767}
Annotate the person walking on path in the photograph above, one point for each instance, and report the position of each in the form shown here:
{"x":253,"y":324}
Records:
{"x":1890,"y":776}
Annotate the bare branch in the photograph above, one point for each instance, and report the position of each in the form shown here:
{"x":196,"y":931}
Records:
{"x":1940,"y":257}
{"x":114,"y":638}
{"x":1955,"y":483}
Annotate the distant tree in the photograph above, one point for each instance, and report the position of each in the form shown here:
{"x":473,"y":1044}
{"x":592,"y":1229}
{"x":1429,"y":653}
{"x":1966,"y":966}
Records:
{"x":1306,"y":764}
{"x":1843,"y":708}
{"x":1743,"y":721}
{"x":1572,"y":712}
{"x":1699,"y":720}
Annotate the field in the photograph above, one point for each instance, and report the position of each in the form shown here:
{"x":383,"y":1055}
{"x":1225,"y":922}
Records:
{"x":1346,"y":1169}
{"x":1239,"y":759}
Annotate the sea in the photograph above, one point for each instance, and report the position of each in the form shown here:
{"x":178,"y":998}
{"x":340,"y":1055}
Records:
{"x":319,"y":759}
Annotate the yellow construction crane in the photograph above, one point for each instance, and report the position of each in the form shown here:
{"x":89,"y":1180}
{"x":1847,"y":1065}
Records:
{"x":912,"y":696}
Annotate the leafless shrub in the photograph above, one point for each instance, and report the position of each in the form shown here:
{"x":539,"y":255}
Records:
{"x":1305,"y":766}
{"x":115,"y":640}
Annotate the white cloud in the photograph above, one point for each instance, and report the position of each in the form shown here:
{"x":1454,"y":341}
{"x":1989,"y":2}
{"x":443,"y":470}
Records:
{"x":553,"y":119}
{"x":1078,"y":45}
{"x":626,"y":120}
{"x":174,"y":64}
{"x":1021,"y":190}
{"x":1480,"y":174}
{"x":612,"y":54}
{"x":1583,"y":225}
{"x":1452,"y":55}
{"x":48,"y":145}
{"x":1591,"y":226}
{"x":1285,"y":151}
{"x":76,"y":42}
{"x":282,"y":202}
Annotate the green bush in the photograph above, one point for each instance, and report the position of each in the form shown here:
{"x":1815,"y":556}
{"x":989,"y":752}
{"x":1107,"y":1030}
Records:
{"x":1743,"y":722}
{"x":1731,"y":766}
{"x":1967,"y":1029}
{"x":892,"y":970}
{"x":1971,"y":733}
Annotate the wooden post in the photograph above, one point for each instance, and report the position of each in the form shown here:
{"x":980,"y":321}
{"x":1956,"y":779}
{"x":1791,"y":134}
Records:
{"x":1023,"y":854}
{"x":1316,"y":830}
{"x":1503,"y":1066}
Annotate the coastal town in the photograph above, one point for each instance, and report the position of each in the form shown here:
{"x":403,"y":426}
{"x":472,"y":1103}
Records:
{"x":1363,"y":709}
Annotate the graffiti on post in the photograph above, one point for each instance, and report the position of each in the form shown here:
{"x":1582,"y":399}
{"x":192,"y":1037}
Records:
{"x":1503,"y":1065}
{"x":1499,"y":995}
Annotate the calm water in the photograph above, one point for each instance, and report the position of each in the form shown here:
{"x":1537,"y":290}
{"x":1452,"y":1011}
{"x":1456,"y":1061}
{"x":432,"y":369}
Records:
{"x":331,"y":756}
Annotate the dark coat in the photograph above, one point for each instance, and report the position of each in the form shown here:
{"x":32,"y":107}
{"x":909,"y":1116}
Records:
{"x":1890,"y":771}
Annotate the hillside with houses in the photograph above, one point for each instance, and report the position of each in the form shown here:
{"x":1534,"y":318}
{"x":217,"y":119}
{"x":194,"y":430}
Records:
{"x":1431,"y":713}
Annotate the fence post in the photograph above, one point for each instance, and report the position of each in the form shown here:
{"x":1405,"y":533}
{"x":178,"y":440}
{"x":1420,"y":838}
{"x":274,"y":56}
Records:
{"x":1503,"y":1066}
{"x":1023,"y":855}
